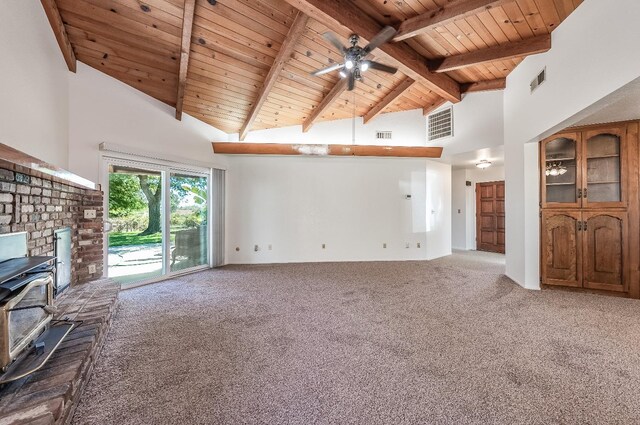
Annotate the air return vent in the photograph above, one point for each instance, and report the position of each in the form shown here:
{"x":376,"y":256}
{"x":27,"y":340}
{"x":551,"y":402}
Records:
{"x":383,"y":135}
{"x":440,"y":124}
{"x":540,"y":78}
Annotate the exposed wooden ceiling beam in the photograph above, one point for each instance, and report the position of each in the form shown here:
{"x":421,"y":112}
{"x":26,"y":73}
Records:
{"x":326,"y":102}
{"x":185,"y":49}
{"x":433,"y":106}
{"x":388,"y":99}
{"x":527,"y":47}
{"x":459,"y":9}
{"x":345,"y":14}
{"x":231,"y":148}
{"x":288,"y":45}
{"x":55,"y":20}
{"x":488,"y":85}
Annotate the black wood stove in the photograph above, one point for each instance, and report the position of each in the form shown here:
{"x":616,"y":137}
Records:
{"x":28,"y":334}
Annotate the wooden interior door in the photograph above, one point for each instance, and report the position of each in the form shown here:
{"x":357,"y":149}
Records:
{"x":490,"y":213}
{"x":605,"y":254}
{"x":561,"y":246}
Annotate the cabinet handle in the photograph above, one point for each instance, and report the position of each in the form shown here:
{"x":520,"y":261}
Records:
{"x":579,"y":226}
{"x":579,"y":193}
{"x":584,"y":193}
{"x":584,"y":226}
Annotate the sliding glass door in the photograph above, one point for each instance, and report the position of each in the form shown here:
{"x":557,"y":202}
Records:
{"x":135,"y":211}
{"x":158,"y":218}
{"x":189,"y":226}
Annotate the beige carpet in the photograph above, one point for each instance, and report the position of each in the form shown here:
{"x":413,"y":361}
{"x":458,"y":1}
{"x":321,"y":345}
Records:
{"x":447,"y":341}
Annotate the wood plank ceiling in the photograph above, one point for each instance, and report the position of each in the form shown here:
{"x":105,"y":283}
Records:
{"x":234,"y":44}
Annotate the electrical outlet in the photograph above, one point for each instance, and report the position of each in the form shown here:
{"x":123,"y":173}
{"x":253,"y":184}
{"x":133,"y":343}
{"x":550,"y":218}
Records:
{"x":92,"y":268}
{"x":407,"y":245}
{"x":256,"y":248}
{"x":418,"y":244}
{"x":90,"y":213}
{"x":323,"y":246}
{"x":384,"y":245}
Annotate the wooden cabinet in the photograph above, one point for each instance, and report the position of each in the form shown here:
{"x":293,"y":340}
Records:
{"x":562,"y":248}
{"x":561,"y":171}
{"x":590,"y":209}
{"x":605,"y":250}
{"x":584,"y":169}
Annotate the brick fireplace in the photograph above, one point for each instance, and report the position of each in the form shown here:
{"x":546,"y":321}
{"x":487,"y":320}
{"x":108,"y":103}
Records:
{"x":40,"y":204}
{"x":45,"y":202}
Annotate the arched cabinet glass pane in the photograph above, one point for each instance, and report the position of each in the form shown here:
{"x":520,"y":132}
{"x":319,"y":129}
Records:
{"x":560,"y":170}
{"x":603,"y":169}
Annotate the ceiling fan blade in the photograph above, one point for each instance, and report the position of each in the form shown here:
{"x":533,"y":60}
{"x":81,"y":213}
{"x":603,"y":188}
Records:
{"x":352,"y":81}
{"x":382,"y":67}
{"x":331,"y":38}
{"x":382,"y":37}
{"x":328,"y":69}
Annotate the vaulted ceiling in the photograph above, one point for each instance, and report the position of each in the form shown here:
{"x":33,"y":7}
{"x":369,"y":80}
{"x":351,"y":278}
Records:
{"x":243,"y":65}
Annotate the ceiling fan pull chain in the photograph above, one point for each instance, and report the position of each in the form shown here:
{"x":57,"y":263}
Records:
{"x":353,"y":121}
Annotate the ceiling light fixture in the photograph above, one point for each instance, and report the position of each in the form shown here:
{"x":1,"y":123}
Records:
{"x":348,"y":64}
{"x":483,"y":164}
{"x":364,"y":66}
{"x":343,"y":74}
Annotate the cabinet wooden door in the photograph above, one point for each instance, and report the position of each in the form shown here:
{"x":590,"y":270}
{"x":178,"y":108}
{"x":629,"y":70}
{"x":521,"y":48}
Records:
{"x":490,"y":216}
{"x":605,"y":241}
{"x":604,"y":153}
{"x":561,"y":171}
{"x":561,"y":247}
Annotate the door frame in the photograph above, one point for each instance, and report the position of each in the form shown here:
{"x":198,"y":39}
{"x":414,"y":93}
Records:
{"x":477,"y":213}
{"x":165,"y":168}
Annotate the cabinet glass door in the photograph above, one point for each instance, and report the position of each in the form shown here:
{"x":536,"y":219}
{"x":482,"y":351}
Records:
{"x":603,"y":175}
{"x":560,"y":171}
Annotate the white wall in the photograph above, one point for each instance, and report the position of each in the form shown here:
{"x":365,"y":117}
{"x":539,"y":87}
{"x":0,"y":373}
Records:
{"x":458,"y":209}
{"x":102,"y":109}
{"x":352,"y":205}
{"x":478,"y":124}
{"x":438,"y":210}
{"x":464,"y":199}
{"x":409,"y":129}
{"x":593,"y":54}
{"x":33,"y":84}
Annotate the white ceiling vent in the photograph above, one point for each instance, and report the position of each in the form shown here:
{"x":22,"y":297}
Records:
{"x":383,"y":135}
{"x":440,"y":124}
{"x":540,"y":78}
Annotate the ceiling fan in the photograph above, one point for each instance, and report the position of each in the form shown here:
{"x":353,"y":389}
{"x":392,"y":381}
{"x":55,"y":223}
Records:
{"x":355,"y":57}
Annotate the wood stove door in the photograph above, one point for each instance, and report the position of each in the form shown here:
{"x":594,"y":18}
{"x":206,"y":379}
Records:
{"x":63,"y":259}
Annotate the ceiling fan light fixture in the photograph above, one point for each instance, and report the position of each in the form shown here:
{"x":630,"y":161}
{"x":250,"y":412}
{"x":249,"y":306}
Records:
{"x":349,"y":64}
{"x":483,"y":164}
{"x":343,"y":74}
{"x":364,"y":66}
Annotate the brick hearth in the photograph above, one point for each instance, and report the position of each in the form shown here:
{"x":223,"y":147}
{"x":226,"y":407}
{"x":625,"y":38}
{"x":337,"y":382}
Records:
{"x":50,"y":395}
